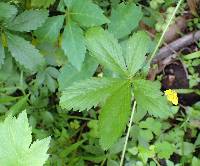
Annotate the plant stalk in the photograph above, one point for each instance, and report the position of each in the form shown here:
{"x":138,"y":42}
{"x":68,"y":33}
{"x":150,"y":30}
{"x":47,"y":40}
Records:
{"x":165,"y":30}
{"x":128,"y":133}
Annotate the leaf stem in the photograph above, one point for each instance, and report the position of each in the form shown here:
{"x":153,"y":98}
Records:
{"x":127,"y":135}
{"x":156,"y":161}
{"x":165,"y":30}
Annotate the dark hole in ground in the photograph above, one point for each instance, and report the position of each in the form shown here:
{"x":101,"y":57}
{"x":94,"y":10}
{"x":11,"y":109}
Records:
{"x":175,"y":78}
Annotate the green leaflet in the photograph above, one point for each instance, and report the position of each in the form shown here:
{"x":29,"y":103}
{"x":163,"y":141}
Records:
{"x":87,"y":13}
{"x":114,"y":115}
{"x":86,"y":94}
{"x":19,"y":106}
{"x":51,"y":83}
{"x":48,"y":77}
{"x":69,"y":3}
{"x":50,"y":31}
{"x":152,"y":125}
{"x":124,"y":19}
{"x":28,"y":20}
{"x":149,"y":97}
{"x":164,"y":149}
{"x":106,"y":49}
{"x":42,"y":3}
{"x":24,"y":52}
{"x":70,"y":75}
{"x":73,"y":44}
{"x":7,"y":11}
{"x":136,"y":49}
{"x":2,"y":53}
{"x":16,"y":148}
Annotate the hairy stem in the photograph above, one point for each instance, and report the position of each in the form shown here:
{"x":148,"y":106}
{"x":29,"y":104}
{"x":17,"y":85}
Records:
{"x":127,"y":135}
{"x":165,"y":30}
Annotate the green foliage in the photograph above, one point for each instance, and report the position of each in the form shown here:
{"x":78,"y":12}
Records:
{"x":73,"y":44}
{"x":69,"y":74}
{"x":164,"y":149}
{"x":7,"y":11}
{"x":135,"y":56}
{"x":49,"y":32}
{"x":2,"y":53}
{"x":124,"y":19}
{"x":39,"y":3}
{"x":149,"y":98}
{"x":151,"y":124}
{"x":86,"y":13}
{"x":28,"y":20}
{"x":105,"y":48}
{"x":86,"y":56}
{"x":85,"y":94}
{"x":24,"y":52}
{"x":16,"y":148}
{"x":79,"y":14}
{"x":20,"y":49}
{"x":115,"y":114}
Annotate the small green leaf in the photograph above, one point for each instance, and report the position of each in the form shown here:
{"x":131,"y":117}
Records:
{"x":105,"y":48}
{"x":2,"y":53}
{"x":145,"y":136}
{"x":28,"y":20}
{"x":136,"y":49}
{"x":7,"y":11}
{"x":19,"y":106}
{"x":195,"y":161}
{"x":16,"y":148}
{"x":50,"y":30}
{"x":73,"y":44}
{"x":114,"y":115}
{"x":186,"y":148}
{"x":70,"y":75}
{"x":151,"y":124}
{"x":24,"y":52}
{"x":87,"y":13}
{"x":86,"y":94}
{"x":51,"y":83}
{"x":164,"y":149}
{"x":145,"y":153}
{"x":149,"y":97}
{"x":139,"y":114}
{"x":124,"y":19}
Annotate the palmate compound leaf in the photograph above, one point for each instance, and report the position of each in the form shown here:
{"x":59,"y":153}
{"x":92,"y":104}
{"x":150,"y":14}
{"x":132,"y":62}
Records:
{"x":124,"y":19}
{"x":7,"y":11}
{"x":149,"y":97}
{"x":114,"y":115}
{"x":73,"y":44}
{"x":86,"y":13}
{"x":28,"y":20}
{"x":24,"y":53}
{"x":16,"y":148}
{"x":137,"y":47}
{"x":86,"y":94}
{"x":106,"y":49}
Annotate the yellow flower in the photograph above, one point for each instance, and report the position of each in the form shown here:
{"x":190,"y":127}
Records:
{"x":172,"y":96}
